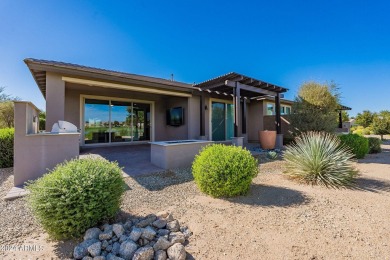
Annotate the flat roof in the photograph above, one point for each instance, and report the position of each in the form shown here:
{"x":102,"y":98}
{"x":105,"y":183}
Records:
{"x":39,"y":68}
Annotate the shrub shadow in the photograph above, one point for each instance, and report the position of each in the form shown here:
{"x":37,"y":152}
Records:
{"x":372,"y":185}
{"x":380,"y":158}
{"x":271,"y":196}
{"x":159,"y":181}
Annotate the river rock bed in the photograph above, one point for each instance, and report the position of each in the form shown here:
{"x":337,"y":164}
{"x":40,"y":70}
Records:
{"x":157,"y":237}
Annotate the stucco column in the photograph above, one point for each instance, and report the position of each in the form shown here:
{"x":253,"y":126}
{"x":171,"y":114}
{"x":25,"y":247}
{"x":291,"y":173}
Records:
{"x":55,"y":99}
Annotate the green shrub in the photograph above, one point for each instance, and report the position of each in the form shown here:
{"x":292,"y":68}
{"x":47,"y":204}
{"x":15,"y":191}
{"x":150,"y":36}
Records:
{"x":374,"y":145}
{"x":224,"y":171}
{"x":357,"y":143}
{"x":319,"y":159}
{"x":6,"y":147}
{"x":76,"y":195}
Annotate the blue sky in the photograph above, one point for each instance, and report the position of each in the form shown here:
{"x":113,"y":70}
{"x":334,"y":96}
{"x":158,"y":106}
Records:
{"x":282,"y":42}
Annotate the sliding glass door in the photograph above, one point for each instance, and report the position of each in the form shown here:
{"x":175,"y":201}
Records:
{"x":222,"y":121}
{"x":96,"y":121}
{"x":112,"y":121}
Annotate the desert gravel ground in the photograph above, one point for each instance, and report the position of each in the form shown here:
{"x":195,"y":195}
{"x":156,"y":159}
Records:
{"x":279,"y":219}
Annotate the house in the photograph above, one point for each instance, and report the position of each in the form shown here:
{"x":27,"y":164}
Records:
{"x":112,"y":107}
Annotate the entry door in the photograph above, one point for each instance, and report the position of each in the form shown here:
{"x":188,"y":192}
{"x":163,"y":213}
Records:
{"x":222,"y":121}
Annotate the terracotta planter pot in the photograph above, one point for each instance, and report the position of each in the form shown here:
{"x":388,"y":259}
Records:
{"x":267,"y":139}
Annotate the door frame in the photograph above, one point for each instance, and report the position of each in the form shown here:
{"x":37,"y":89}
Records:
{"x":82,"y":119}
{"x":225,"y":101}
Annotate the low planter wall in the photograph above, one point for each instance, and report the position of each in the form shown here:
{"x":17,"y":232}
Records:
{"x":175,"y":154}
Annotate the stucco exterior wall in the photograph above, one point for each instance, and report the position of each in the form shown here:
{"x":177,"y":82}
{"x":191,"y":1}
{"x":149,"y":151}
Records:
{"x":269,"y":124}
{"x":35,"y":153}
{"x":254,"y":120}
{"x":162,"y":132}
{"x":55,"y":99}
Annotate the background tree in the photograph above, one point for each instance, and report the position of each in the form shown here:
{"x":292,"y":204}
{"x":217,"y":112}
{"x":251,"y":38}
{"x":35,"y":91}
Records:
{"x":315,"y":108}
{"x":6,"y":109}
{"x":42,"y":120}
{"x":344,"y":116}
{"x":381,"y":125}
{"x":365,"y":118}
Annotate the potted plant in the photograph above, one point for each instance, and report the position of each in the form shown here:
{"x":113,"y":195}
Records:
{"x":267,"y":139}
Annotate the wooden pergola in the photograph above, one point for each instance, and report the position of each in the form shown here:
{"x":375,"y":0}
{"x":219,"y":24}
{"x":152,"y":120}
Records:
{"x":242,"y":89}
{"x":340,"y":109}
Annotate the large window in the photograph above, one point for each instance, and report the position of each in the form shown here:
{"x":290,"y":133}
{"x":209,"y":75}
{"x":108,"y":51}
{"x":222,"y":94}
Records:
{"x":109,"y":121}
{"x":284,"y":110}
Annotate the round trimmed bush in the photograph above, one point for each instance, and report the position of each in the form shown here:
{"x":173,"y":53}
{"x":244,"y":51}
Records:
{"x":318,"y":158}
{"x":357,"y":143}
{"x":6,"y":147}
{"x":224,"y":171}
{"x":374,"y":145}
{"x":76,"y":195}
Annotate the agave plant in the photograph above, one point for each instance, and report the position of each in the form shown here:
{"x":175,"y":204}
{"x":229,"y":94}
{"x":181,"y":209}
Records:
{"x":318,"y":158}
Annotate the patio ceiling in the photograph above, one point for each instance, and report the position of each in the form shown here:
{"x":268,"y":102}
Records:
{"x":250,"y":87}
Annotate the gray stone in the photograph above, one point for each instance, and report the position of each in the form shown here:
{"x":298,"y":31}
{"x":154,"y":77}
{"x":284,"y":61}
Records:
{"x":177,"y":252}
{"x":95,"y":249}
{"x":107,"y":227}
{"x":169,"y":218}
{"x":144,"y":253}
{"x":135,"y":221}
{"x":128,"y":225}
{"x":92,"y":233}
{"x":109,"y":248}
{"x":104,"y":253}
{"x":151,"y":243}
{"x":115,"y":238}
{"x":105,"y":244}
{"x":143,"y":241}
{"x":187,"y":233}
{"x":173,"y":226}
{"x":87,"y":258}
{"x":177,"y":237}
{"x":81,"y":249}
{"x":100,"y":257}
{"x":162,"y":214}
{"x":106,"y":235}
{"x":160,"y":255}
{"x":159,"y":223}
{"x":146,"y":222}
{"x":161,"y":244}
{"x":127,"y":249}
{"x":113,"y":257}
{"x":118,"y":229}
{"x":115,"y":248}
{"x":122,"y":238}
{"x":135,"y":234}
{"x":148,"y":233}
{"x":163,"y":232}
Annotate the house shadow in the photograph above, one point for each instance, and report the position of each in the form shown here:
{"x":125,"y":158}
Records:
{"x":161,"y":180}
{"x":271,"y":196}
{"x":372,"y":185}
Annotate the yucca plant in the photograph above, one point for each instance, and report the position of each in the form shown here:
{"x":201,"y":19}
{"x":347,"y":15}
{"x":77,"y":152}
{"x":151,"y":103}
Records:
{"x":319,"y":158}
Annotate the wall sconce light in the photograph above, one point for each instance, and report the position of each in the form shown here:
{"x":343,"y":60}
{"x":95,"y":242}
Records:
{"x":35,"y":119}
{"x":205,"y":107}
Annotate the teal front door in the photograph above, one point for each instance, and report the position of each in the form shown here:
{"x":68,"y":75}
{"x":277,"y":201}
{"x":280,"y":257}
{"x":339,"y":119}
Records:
{"x":222,"y":120}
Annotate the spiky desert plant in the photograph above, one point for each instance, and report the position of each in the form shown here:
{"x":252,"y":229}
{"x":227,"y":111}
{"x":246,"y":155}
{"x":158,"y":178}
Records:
{"x":318,"y":158}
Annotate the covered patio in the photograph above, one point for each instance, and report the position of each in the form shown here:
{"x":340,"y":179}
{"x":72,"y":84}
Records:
{"x":242,"y":90}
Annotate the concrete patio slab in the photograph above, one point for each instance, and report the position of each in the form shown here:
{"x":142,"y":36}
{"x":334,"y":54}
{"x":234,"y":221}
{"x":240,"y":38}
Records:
{"x":135,"y":159}
{"x":15,"y":192}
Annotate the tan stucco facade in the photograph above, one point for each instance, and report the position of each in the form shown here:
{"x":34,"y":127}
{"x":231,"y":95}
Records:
{"x":35,"y":153}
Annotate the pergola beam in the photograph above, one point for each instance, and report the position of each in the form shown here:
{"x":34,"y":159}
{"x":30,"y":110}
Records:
{"x":249,"y":88}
